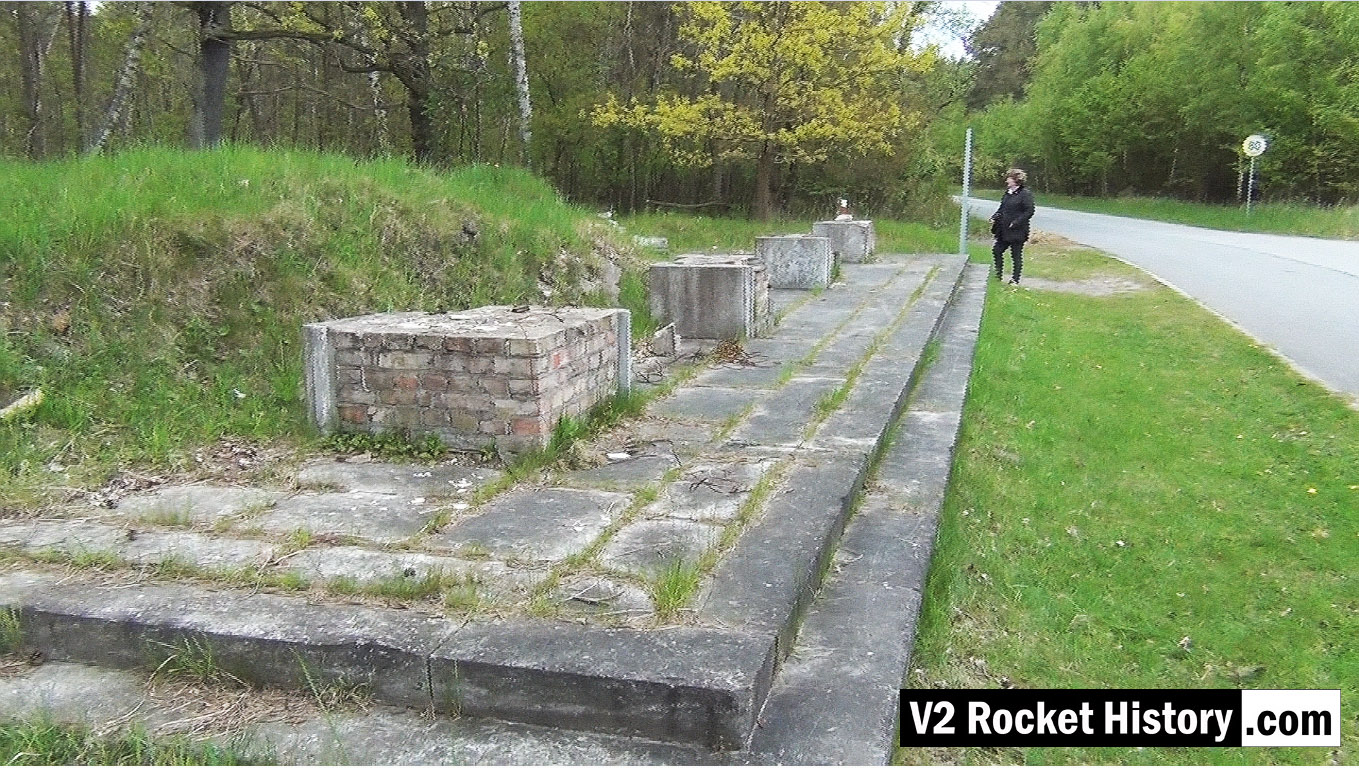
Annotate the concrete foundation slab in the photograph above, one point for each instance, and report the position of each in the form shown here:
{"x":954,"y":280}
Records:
{"x":195,"y":504}
{"x":649,"y":547}
{"x":603,"y":596}
{"x":782,"y":418}
{"x":710,"y":492}
{"x":681,"y":684}
{"x":545,"y":524}
{"x":625,"y":474}
{"x":383,"y":477}
{"x":378,"y":517}
{"x":704,"y":404}
{"x":366,"y":566}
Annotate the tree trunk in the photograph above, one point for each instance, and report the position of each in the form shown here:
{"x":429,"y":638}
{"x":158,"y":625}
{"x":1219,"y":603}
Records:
{"x":77,"y":16}
{"x":764,"y":181}
{"x":30,"y":74}
{"x":422,"y":126}
{"x":214,"y":59}
{"x":132,"y":61}
{"x":520,"y":66}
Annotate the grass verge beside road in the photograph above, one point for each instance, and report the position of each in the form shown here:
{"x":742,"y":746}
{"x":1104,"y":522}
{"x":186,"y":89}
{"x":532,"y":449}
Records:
{"x":1142,"y":498}
{"x":1334,"y":222}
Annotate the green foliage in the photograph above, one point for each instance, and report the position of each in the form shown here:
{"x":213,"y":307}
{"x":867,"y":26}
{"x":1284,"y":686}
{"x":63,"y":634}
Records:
{"x":1140,"y":98}
{"x":193,"y":658}
{"x":779,"y":81}
{"x":391,"y":446}
{"x":11,"y":631}
{"x":1004,"y":46}
{"x":162,"y":313}
{"x":46,"y":742}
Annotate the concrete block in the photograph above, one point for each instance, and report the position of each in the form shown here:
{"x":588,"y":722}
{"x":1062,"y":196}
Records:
{"x":851,"y":241}
{"x":796,"y":261}
{"x":711,"y":296}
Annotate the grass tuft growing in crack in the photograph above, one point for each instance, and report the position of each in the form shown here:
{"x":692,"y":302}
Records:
{"x":672,"y":587}
{"x":11,"y":631}
{"x":193,"y":658}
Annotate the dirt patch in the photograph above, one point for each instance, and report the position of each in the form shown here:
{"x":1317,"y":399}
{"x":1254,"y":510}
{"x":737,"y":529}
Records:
{"x":1054,"y":241}
{"x":1098,"y":285}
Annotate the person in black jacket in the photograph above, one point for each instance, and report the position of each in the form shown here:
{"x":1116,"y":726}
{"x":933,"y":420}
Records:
{"x":1010,"y":224}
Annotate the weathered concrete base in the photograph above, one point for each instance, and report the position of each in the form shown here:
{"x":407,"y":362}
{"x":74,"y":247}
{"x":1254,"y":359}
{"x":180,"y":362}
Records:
{"x":683,"y":684}
{"x":803,"y":262}
{"x":851,"y":241}
{"x":535,"y":524}
{"x":699,"y":685}
{"x":719,"y":296}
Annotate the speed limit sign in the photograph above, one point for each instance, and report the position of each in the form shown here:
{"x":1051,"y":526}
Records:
{"x":1255,"y":145}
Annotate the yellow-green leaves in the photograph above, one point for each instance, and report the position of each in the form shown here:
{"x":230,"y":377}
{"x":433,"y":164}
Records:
{"x":802,"y":81}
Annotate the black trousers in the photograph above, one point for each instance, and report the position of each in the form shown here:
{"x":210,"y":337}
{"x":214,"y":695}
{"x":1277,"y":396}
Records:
{"x":1016,"y":255}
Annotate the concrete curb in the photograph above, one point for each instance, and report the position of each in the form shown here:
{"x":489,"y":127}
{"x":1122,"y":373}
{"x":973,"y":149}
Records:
{"x":684,"y":684}
{"x":836,"y":698}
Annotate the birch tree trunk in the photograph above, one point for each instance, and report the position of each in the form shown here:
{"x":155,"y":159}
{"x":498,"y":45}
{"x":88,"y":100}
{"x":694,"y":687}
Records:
{"x":520,"y":68}
{"x":115,"y":117}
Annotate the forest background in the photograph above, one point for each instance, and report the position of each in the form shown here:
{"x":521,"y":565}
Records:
{"x":740,"y":108}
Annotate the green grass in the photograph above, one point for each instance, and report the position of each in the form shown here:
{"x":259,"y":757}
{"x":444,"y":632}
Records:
{"x":156,"y":296}
{"x":689,"y":233}
{"x":1336,"y":222}
{"x":44,"y":742}
{"x":11,"y":631}
{"x":672,"y":588}
{"x":1132,"y":472}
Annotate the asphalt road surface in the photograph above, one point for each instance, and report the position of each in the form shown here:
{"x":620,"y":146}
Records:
{"x":1298,"y":295}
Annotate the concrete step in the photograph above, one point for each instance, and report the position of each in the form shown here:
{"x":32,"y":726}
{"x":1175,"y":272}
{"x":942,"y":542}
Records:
{"x":836,"y":699}
{"x":699,"y":685}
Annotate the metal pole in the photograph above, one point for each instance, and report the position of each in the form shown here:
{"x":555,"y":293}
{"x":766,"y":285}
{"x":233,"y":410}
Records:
{"x":967,"y":190}
{"x":1250,"y":185}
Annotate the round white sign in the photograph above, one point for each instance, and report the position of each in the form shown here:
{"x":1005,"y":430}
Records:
{"x":1255,"y":145}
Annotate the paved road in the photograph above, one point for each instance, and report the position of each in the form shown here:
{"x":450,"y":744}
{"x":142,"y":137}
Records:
{"x":1299,"y":295}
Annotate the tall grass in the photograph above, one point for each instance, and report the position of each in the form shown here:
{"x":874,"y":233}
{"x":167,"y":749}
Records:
{"x":156,"y":296}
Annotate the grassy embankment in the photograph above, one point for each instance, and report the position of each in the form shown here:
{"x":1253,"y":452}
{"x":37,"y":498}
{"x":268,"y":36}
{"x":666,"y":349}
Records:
{"x":156,"y":297}
{"x":1142,"y":498}
{"x":1334,"y":222}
